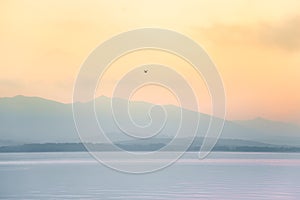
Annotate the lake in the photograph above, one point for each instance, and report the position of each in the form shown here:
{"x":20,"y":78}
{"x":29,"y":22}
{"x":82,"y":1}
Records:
{"x":222,"y":176}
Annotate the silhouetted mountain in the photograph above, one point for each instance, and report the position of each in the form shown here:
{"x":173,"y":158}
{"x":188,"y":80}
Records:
{"x":281,"y":133}
{"x":36,"y":120}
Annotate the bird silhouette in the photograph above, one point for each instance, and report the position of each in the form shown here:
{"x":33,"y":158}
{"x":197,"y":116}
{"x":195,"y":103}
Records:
{"x":145,"y":71}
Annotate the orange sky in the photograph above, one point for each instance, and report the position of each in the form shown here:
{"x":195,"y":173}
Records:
{"x":255,"y":45}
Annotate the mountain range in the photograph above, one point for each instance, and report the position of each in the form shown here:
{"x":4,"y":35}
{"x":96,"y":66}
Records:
{"x":25,"y":120}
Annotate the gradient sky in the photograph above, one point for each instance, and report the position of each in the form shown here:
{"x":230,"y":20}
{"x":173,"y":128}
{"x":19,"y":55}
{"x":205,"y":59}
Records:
{"x":255,"y":45}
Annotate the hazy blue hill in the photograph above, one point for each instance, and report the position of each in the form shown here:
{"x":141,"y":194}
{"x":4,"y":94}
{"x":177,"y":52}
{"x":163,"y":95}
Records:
{"x":280,"y":132}
{"x":37,"y":120}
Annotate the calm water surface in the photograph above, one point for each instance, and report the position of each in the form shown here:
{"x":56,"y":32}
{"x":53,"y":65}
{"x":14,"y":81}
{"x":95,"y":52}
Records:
{"x":221,"y":176}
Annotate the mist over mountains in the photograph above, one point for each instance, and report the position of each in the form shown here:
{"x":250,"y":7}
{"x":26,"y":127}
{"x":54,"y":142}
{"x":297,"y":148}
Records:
{"x":25,"y":120}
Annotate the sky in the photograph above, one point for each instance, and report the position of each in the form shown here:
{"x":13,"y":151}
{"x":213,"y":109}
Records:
{"x":254,"y":44}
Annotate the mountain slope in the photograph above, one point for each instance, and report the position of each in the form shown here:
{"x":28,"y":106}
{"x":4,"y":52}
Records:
{"x":37,"y":120}
{"x":280,"y":132}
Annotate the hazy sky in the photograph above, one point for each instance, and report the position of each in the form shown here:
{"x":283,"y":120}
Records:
{"x":255,"y":45}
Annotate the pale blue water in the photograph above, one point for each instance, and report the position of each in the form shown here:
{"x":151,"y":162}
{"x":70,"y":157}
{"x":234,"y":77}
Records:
{"x":221,"y":176}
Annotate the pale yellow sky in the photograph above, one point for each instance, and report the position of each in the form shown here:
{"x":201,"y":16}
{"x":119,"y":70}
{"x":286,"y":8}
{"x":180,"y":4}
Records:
{"x":255,"y":45}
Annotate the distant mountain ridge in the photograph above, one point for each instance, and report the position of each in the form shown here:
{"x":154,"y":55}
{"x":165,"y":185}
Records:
{"x":228,"y":145}
{"x":26,"y":120}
